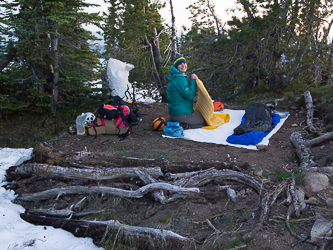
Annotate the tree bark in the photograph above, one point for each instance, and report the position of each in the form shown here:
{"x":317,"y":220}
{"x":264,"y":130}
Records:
{"x":302,"y":151}
{"x":173,"y":34}
{"x":310,"y":111}
{"x":320,"y":139}
{"x":6,"y":60}
{"x":161,"y":85}
{"x":51,"y":171}
{"x":147,"y":238}
{"x":77,"y":190}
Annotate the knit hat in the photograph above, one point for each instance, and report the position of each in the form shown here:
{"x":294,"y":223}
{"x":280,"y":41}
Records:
{"x":178,"y":60}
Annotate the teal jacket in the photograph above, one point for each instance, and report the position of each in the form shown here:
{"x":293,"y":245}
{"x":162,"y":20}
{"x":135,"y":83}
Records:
{"x":180,"y":93}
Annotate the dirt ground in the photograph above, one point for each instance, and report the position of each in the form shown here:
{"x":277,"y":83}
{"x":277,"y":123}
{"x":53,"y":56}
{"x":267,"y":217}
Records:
{"x":189,"y":217}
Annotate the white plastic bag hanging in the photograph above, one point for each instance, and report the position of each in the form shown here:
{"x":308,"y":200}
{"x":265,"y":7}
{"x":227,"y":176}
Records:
{"x":118,"y":73}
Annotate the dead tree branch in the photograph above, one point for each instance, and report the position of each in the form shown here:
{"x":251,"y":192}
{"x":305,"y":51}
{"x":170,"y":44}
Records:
{"x":57,"y":192}
{"x":310,"y":110}
{"x":294,"y":197}
{"x":319,"y":140}
{"x":302,"y":151}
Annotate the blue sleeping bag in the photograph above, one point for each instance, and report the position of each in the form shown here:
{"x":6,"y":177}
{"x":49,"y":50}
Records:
{"x":253,"y":137}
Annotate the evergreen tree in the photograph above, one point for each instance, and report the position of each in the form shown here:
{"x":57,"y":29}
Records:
{"x":276,"y":44}
{"x":44,"y":33}
{"x":133,"y":32}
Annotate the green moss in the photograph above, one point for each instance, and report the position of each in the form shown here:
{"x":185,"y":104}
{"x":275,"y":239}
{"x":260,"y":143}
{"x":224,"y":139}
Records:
{"x":118,"y":147}
{"x":166,"y":218}
{"x":282,"y":175}
{"x":265,"y":174}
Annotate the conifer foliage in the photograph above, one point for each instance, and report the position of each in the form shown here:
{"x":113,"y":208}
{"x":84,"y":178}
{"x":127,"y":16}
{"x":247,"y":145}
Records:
{"x":134,"y":33}
{"x":40,"y":33}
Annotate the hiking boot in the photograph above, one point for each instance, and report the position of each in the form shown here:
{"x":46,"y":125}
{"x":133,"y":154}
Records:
{"x":185,"y":125}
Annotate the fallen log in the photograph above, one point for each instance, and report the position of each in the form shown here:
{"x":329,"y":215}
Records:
{"x":294,"y":197}
{"x":320,"y":139}
{"x":310,"y":110}
{"x":100,"y":160}
{"x":147,"y":179}
{"x":51,"y":171}
{"x":63,"y":213}
{"x":302,"y":151}
{"x":200,"y":178}
{"x":203,"y":177}
{"x":140,"y":237}
{"x":77,"y":190}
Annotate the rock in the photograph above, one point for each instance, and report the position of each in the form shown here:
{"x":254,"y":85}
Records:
{"x":329,"y":202}
{"x":314,"y":182}
{"x":231,"y":194}
{"x":312,"y":200}
{"x":320,"y":228}
{"x":261,"y":147}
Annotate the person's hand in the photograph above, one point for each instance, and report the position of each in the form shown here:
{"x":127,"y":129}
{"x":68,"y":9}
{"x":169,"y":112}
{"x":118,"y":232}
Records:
{"x":194,"y":76}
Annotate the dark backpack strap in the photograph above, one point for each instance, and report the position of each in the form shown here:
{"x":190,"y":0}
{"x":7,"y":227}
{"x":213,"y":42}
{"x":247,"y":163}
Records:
{"x":125,"y":135}
{"x":124,"y":119}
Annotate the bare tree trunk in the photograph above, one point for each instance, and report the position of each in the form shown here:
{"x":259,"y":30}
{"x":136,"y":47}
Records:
{"x":6,"y":60}
{"x":54,"y":44}
{"x":173,"y":34}
{"x":217,"y":22}
{"x":310,"y":110}
{"x":161,"y":84}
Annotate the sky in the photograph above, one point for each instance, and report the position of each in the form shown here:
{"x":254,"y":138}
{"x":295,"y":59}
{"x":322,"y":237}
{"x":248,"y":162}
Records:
{"x":180,"y":12}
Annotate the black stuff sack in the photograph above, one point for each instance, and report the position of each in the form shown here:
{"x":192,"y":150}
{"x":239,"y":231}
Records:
{"x":133,"y":114}
{"x":258,"y":118}
{"x":108,"y":111}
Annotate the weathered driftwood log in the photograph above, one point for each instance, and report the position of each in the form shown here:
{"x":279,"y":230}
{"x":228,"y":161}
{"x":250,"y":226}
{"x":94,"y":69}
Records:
{"x":303,"y":152}
{"x":147,"y":179}
{"x":203,"y":177}
{"x":146,"y":238}
{"x":320,"y":139}
{"x":57,"y":192}
{"x":51,"y":171}
{"x":310,"y":110}
{"x":200,"y":178}
{"x":294,"y":197}
{"x":159,"y":195}
{"x":100,"y":160}
{"x":63,"y":213}
{"x":324,"y":170}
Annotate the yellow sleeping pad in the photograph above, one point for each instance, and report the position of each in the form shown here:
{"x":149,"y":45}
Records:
{"x":205,"y":107}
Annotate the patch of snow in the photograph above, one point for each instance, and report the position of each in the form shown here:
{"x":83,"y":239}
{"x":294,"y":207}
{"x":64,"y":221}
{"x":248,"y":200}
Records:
{"x":17,"y":234}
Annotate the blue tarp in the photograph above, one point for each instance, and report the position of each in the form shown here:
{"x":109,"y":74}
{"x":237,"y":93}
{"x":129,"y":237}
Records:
{"x":253,"y":137}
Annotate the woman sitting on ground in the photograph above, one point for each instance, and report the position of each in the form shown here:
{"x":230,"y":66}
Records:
{"x":180,"y":94}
